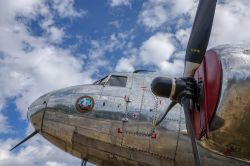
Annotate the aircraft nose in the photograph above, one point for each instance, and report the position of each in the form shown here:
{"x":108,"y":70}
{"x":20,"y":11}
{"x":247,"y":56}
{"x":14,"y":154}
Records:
{"x":36,"y":111}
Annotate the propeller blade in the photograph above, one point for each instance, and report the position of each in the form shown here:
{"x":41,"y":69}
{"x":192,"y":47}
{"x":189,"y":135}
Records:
{"x":25,"y":139}
{"x":84,"y":162}
{"x":199,"y":37}
{"x":171,"y":105}
{"x":186,"y":106}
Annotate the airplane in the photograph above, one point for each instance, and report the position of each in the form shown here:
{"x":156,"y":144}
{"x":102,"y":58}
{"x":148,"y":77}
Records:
{"x":147,"y":118}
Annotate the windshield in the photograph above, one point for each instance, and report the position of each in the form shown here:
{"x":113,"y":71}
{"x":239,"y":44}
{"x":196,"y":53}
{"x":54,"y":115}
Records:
{"x":113,"y":80}
{"x":101,"y":81}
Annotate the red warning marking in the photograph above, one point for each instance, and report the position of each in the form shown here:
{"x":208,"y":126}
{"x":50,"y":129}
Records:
{"x":154,"y":135}
{"x":119,"y":130}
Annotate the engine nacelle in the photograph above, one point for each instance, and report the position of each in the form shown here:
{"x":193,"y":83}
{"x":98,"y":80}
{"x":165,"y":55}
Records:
{"x":226,"y":128}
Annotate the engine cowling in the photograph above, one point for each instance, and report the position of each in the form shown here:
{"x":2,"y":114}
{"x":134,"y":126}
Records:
{"x":224,"y":117}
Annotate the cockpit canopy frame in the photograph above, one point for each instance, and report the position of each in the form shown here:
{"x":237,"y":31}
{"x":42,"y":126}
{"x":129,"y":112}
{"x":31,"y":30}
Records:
{"x":113,"y":80}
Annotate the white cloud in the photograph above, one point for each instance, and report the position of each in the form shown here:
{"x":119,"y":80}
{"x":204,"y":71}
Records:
{"x":125,"y":65}
{"x":4,"y":126}
{"x":114,"y":42}
{"x":10,"y":9}
{"x":174,"y":68}
{"x":115,"y":3}
{"x":129,"y":60}
{"x":53,"y":163}
{"x":156,"y":13}
{"x":29,"y":74}
{"x":55,"y":34}
{"x":231,"y":24}
{"x":30,"y":66}
{"x":154,"y":17}
{"x":100,"y":49}
{"x":36,"y":152}
{"x":65,"y":8}
{"x":157,"y":48}
{"x":52,"y":33}
{"x":115,"y":23}
{"x":182,"y":35}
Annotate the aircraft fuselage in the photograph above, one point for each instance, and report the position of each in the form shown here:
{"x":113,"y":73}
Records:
{"x":113,"y":120}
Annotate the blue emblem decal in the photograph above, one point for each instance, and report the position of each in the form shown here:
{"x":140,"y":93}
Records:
{"x":85,"y":104}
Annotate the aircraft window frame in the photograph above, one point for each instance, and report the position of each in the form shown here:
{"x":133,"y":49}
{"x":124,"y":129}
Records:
{"x":100,"y":81}
{"x":121,"y":85}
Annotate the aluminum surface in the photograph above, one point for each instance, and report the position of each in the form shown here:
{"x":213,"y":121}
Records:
{"x":231,"y":126}
{"x":120,"y":129}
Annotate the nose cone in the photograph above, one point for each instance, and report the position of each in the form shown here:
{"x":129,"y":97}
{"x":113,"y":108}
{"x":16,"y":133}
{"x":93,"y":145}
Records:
{"x":36,"y":111}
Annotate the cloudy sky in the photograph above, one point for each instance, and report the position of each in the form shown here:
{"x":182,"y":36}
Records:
{"x":46,"y":45}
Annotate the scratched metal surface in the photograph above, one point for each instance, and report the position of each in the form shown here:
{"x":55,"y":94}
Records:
{"x":94,"y":136}
{"x":231,"y":125}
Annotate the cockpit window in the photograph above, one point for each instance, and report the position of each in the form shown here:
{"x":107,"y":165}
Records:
{"x":114,"y":80}
{"x":101,"y":81}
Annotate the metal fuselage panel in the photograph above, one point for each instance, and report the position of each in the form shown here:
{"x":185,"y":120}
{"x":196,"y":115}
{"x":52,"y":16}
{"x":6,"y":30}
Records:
{"x":115,"y":130}
{"x":100,"y":143}
{"x":120,"y":128}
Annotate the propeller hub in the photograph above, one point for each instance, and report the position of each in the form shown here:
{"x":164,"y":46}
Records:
{"x":175,"y":88}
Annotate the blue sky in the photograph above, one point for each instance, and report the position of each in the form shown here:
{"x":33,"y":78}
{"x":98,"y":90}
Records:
{"x":46,"y":45}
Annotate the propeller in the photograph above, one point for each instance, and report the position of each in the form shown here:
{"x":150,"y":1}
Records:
{"x":84,"y":162}
{"x":186,"y":107}
{"x":171,"y":105}
{"x":25,"y":139}
{"x":199,"y":37}
{"x":185,"y":90}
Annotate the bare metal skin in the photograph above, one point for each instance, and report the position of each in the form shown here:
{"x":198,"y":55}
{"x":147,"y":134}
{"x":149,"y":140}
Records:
{"x":119,"y":131}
